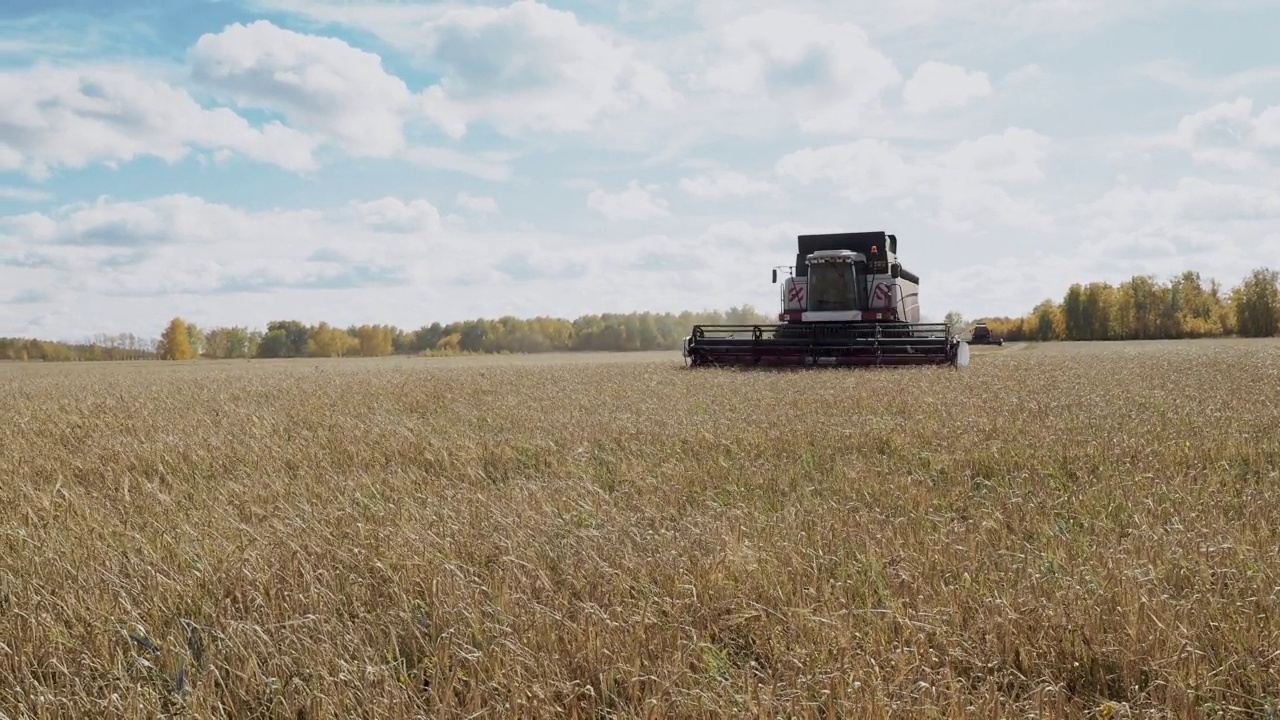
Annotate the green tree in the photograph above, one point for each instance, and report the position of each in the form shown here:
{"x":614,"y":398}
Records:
{"x":954,"y":321}
{"x":1098,"y":313}
{"x":1256,"y":303}
{"x":1046,"y":322}
{"x":195,"y":337}
{"x":284,"y":338}
{"x":1074,"y":324}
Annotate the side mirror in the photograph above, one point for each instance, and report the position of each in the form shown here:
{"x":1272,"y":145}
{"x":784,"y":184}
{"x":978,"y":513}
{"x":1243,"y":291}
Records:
{"x":775,"y":276}
{"x":895,"y":271}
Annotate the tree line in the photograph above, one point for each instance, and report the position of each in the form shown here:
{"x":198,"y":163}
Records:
{"x":180,"y":339}
{"x":125,"y":346}
{"x":1141,"y":308}
{"x":1144,"y":308}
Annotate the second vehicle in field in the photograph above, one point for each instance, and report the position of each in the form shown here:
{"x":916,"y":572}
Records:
{"x":981,"y":335}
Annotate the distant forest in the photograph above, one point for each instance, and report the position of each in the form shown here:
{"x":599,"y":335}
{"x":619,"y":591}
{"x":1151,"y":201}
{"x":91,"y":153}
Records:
{"x":1141,"y":308}
{"x":291,"y":338}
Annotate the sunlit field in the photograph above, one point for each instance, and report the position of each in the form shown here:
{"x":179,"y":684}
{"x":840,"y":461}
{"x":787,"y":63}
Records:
{"x":1066,"y":531}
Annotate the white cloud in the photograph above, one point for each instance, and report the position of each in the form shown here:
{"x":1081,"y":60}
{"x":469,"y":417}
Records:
{"x":1024,"y":75}
{"x":1181,"y":75}
{"x":1190,"y":206}
{"x":1045,"y":14}
{"x":104,"y":223}
{"x":1217,"y":133}
{"x":1013,"y":156}
{"x":388,"y":260}
{"x":530,"y":67}
{"x":771,"y":240}
{"x":1267,"y":128}
{"x":22,"y":194}
{"x":492,"y":166}
{"x":1216,"y":229}
{"x":51,"y":118}
{"x":130,"y":266}
{"x":1225,"y":135}
{"x":863,"y":169}
{"x":522,"y":66}
{"x":965,"y":181}
{"x":940,"y":86}
{"x":633,"y":203}
{"x":726,"y":183}
{"x":827,"y":71}
{"x":476,"y":204}
{"x":873,"y":168}
{"x":395,"y":215}
{"x":1009,"y":20}
{"x":321,"y":83}
{"x":112,"y":256}
{"x":11,"y":158}
{"x":971,"y":208}
{"x":399,"y":23}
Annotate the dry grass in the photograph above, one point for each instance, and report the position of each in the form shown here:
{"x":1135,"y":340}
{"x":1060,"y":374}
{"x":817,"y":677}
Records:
{"x":1069,"y":531}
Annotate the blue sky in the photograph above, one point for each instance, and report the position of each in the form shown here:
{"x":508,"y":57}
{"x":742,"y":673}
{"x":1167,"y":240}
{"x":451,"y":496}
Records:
{"x":239,"y":161}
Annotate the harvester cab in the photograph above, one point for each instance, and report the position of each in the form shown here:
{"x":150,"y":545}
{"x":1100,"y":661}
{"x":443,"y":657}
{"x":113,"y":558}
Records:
{"x":848,"y":301}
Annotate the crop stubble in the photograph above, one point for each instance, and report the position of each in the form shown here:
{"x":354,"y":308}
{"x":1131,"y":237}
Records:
{"x":1059,"y":530}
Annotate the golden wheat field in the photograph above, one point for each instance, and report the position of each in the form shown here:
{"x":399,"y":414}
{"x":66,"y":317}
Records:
{"x":1060,"y":531}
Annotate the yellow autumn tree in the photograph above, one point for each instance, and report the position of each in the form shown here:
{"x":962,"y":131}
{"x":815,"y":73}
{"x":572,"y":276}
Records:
{"x":374,"y":340}
{"x":327,"y":341}
{"x":175,"y":343}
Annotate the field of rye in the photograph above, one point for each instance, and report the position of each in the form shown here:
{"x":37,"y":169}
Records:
{"x":1076,"y":530}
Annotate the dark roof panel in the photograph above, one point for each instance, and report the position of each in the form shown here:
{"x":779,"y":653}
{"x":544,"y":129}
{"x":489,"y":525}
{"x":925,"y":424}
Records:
{"x":854,"y":241}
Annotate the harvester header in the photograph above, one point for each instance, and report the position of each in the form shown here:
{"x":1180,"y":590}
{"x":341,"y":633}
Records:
{"x":848,"y":301}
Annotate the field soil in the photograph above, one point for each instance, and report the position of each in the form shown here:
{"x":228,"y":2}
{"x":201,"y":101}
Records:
{"x":1059,"y":531}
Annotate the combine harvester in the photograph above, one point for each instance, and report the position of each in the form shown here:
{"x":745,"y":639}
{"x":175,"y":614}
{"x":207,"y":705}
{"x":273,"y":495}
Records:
{"x":849,"y":302}
{"x":981,"y":335}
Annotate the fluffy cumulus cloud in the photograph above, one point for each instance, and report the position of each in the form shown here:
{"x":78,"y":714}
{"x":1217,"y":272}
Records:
{"x":830,"y":72}
{"x":169,"y":220}
{"x":475,"y":204}
{"x":381,"y":260}
{"x":528,"y":66}
{"x":1228,"y":135}
{"x":177,"y":249}
{"x":1015,"y":155}
{"x":321,"y":84}
{"x":939,"y":86}
{"x":1189,"y":216}
{"x":395,"y":215}
{"x":970,"y":184}
{"x":861,"y":170}
{"x":53,"y":118}
{"x":635,"y":202}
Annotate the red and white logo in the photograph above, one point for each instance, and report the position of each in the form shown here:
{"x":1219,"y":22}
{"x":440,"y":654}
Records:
{"x":882,"y":296}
